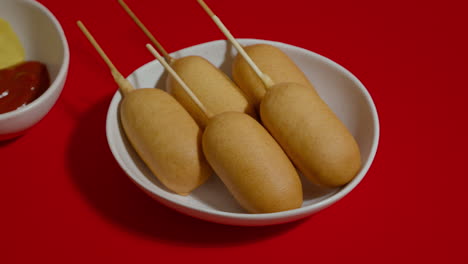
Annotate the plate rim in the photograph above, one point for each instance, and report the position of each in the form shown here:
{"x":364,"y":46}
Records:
{"x":254,"y":219}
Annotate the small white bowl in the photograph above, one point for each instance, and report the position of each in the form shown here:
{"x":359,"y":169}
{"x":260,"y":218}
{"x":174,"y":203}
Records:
{"x":344,"y":93}
{"x":43,"y":40}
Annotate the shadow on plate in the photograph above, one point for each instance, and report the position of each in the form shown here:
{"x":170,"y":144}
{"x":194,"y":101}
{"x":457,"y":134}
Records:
{"x":107,"y":189}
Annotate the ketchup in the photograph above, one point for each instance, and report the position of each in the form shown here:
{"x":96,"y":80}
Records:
{"x":21,"y":84}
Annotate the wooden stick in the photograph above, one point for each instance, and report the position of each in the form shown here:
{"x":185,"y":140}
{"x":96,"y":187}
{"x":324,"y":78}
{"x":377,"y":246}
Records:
{"x":124,"y":85}
{"x":176,"y":76}
{"x":146,"y":31}
{"x":267,"y":81}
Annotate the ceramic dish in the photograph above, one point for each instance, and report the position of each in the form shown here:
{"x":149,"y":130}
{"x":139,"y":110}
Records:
{"x":43,"y":40}
{"x":344,"y":93}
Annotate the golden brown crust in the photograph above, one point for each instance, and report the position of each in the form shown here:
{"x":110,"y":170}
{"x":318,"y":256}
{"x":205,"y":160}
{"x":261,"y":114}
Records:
{"x":271,"y":61}
{"x":315,"y":139}
{"x":251,"y":164}
{"x":212,"y":87}
{"x":166,"y":138}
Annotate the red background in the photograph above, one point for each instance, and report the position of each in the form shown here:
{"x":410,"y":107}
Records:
{"x":64,"y":199}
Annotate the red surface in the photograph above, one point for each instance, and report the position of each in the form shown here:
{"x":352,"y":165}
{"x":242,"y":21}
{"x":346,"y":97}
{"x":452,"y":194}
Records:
{"x":63,"y":198}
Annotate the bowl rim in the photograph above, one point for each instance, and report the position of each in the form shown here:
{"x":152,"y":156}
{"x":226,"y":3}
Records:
{"x":261,"y":217}
{"x":61,"y":76}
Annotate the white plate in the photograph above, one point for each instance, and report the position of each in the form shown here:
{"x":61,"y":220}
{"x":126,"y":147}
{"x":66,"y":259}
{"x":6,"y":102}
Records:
{"x":344,"y":93}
